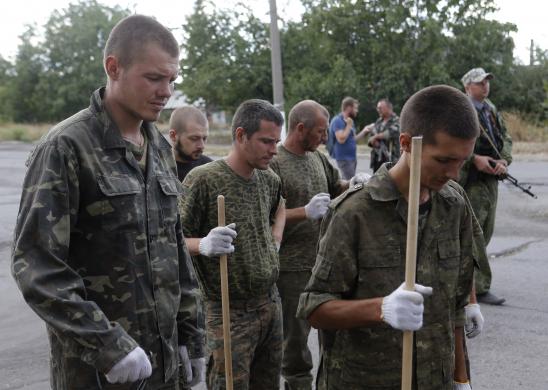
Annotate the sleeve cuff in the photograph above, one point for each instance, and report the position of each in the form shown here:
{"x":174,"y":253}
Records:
{"x":196,"y":349}
{"x":110,"y":354}
{"x":309,"y":301}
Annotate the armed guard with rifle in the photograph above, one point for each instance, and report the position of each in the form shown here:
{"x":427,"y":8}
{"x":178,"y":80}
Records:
{"x":385,"y":133}
{"x":483,"y":170}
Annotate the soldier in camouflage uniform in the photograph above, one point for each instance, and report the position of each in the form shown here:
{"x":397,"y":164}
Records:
{"x":99,"y":253}
{"x":479,"y":178}
{"x":309,"y":181}
{"x":255,"y":217}
{"x":353,"y":294}
{"x":385,"y":133}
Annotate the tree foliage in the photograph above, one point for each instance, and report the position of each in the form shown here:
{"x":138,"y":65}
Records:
{"x":73,"y":55}
{"x":226,"y":57}
{"x":368,"y":49}
{"x":53,"y":77}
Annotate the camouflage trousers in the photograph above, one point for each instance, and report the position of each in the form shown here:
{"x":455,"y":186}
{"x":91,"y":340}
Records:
{"x":483,"y":196}
{"x":256,"y":335}
{"x":297,"y":359}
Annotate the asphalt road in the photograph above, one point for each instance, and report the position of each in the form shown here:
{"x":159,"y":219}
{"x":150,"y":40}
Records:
{"x":511,"y":353}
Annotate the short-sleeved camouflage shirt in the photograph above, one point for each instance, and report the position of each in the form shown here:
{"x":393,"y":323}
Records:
{"x":302,"y":177}
{"x":252,"y":204}
{"x":362,"y":255}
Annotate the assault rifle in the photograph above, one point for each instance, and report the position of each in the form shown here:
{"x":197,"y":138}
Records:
{"x":513,"y":181}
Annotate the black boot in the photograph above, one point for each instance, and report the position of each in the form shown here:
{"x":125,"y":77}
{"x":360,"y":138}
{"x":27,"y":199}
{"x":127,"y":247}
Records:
{"x":490,"y":299}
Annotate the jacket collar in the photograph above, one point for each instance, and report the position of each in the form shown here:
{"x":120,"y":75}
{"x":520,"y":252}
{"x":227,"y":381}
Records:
{"x":382,"y":187}
{"x":112,"y":138}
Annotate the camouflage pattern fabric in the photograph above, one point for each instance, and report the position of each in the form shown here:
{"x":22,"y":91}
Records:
{"x":99,"y":253}
{"x":389,"y":149}
{"x":302,"y":177}
{"x":481,"y":188}
{"x":256,"y":332}
{"x":253,"y":269}
{"x":370,"y":262}
{"x":483,"y":197}
{"x":297,"y":359}
{"x":254,"y":266}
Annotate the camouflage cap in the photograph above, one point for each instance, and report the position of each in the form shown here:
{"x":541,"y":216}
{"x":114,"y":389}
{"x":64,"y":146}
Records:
{"x":475,"y":75}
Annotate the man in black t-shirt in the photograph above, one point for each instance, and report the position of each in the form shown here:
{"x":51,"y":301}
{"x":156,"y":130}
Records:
{"x":188,"y":131}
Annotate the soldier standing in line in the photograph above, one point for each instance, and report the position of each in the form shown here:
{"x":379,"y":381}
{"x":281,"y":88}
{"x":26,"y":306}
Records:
{"x":479,"y":176}
{"x":255,"y":213}
{"x":356,"y":296}
{"x":385,"y":136}
{"x":188,"y":131}
{"x":98,"y":252}
{"x":309,"y":181}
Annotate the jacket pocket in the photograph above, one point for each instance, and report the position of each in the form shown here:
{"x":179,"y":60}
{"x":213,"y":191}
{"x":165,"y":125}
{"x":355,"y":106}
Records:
{"x":371,"y":358}
{"x":170,"y":190}
{"x":449,"y":262}
{"x":381,"y":271}
{"x":118,"y":208}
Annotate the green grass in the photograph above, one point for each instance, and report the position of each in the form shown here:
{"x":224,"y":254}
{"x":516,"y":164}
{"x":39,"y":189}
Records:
{"x":529,"y":138}
{"x":522,"y":130}
{"x":22,"y":132}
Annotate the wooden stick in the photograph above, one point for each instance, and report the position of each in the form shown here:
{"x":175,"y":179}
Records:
{"x":224,"y":300}
{"x":411,"y":253}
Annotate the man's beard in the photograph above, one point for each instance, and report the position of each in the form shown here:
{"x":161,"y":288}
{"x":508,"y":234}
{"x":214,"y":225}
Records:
{"x":307,"y":146}
{"x":352,"y":115}
{"x":181,"y":155}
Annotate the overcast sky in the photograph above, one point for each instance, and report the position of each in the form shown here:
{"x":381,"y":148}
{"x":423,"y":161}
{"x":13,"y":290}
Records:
{"x":528,"y":15}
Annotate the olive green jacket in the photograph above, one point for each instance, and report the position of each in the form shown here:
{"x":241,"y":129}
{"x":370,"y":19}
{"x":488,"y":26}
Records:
{"x":362,"y":255}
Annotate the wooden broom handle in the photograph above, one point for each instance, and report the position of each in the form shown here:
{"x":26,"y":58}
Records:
{"x":411,"y":253}
{"x":224,"y":300}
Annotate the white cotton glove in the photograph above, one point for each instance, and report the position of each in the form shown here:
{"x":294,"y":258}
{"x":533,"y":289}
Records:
{"x":403,"y":309}
{"x":318,"y":205}
{"x":474,"y":320}
{"x":133,"y":367}
{"x":461,"y":386}
{"x":194,"y":368}
{"x":185,"y":363}
{"x":360,"y":177}
{"x":218,"y":241}
{"x":198,"y":371}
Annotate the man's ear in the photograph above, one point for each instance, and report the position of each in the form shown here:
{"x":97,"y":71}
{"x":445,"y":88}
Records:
{"x":240,"y":135}
{"x":173,"y":136}
{"x":112,"y":67}
{"x":405,"y":142}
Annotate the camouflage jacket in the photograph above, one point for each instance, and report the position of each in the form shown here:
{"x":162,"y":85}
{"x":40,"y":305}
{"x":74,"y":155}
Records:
{"x":483,"y":147}
{"x":389,"y":149}
{"x":302,"y":177}
{"x":362,"y":255}
{"x":99,"y":253}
